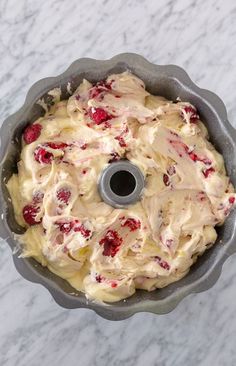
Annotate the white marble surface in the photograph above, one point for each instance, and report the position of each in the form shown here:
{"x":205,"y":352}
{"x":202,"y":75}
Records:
{"x":41,"y":38}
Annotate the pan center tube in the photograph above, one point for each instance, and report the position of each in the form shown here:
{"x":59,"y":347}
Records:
{"x":121,"y":184}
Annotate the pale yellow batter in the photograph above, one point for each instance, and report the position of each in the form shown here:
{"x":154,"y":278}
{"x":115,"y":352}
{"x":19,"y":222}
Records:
{"x":105,"y":252}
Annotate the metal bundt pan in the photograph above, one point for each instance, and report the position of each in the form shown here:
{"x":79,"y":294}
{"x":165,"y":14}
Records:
{"x":171,"y":82}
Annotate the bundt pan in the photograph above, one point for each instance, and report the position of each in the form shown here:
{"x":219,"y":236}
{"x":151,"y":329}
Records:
{"x":171,"y":82}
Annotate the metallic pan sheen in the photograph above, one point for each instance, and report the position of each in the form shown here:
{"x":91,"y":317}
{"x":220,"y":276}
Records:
{"x":171,"y":82}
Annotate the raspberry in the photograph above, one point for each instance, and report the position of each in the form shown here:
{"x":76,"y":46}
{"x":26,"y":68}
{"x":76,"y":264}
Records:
{"x":56,"y":145}
{"x":162,"y":263}
{"x":65,"y":227}
{"x":191,"y":113}
{"x":32,"y":133}
{"x":115,"y":157}
{"x":180,"y":146}
{"x":94,"y":92}
{"x":43,"y":156}
{"x":99,"y":115}
{"x":195,"y":157}
{"x":99,"y":88}
{"x":81,"y":228}
{"x":84,"y":146}
{"x":131,"y":223}
{"x":99,"y":278}
{"x":166,"y":180}
{"x":111,"y":243}
{"x":208,"y":171}
{"x":63,"y":195}
{"x":104,"y":84}
{"x":231,"y":200}
{"x":121,"y":140}
{"x":29,"y":213}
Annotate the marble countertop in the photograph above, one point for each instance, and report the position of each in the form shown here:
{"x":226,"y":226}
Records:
{"x":41,"y":38}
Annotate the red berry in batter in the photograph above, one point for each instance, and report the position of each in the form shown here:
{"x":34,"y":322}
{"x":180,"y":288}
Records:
{"x":162,"y":263}
{"x":65,"y":227}
{"x":115,"y":157}
{"x":208,"y":171}
{"x":63,"y":195}
{"x":121,"y":140}
{"x":43,"y":156}
{"x":99,"y":115}
{"x":32,"y":133}
{"x":56,"y":145}
{"x":166,"y":180}
{"x":190,"y":112}
{"x":82,"y":229}
{"x":29,"y":213}
{"x":111,"y":243}
{"x":132,"y":224}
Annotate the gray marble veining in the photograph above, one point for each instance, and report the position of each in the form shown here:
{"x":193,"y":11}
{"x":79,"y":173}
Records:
{"x":41,"y":38}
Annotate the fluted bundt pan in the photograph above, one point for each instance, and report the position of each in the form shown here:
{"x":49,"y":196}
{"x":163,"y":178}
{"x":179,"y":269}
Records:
{"x":171,"y":82}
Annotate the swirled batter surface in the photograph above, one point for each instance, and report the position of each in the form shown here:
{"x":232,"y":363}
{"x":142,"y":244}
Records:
{"x":105,"y":252}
